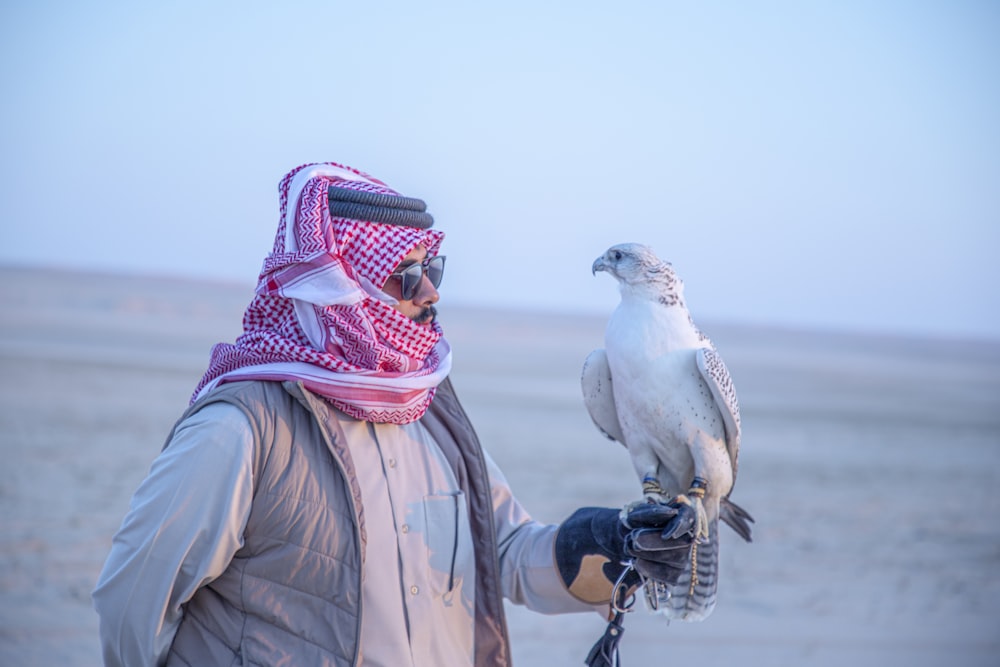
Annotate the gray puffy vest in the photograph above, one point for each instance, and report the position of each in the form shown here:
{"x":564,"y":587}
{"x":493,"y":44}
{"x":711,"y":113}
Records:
{"x":292,"y":593}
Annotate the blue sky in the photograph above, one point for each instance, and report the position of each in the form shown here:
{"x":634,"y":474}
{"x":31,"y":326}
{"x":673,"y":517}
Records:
{"x":828,"y":165}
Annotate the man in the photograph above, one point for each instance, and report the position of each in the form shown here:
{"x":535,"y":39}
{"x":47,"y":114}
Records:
{"x":324,"y":500}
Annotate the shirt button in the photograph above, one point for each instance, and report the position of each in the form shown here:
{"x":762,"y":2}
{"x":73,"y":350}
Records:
{"x":405,"y":528}
{"x":414,"y":590}
{"x":392,"y":463}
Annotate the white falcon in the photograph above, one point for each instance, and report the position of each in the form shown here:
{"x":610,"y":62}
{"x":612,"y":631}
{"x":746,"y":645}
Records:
{"x":660,"y":388}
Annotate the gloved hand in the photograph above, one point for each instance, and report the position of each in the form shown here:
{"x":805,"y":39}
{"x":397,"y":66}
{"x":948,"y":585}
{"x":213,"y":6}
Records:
{"x":659,"y":539}
{"x":593,"y":544}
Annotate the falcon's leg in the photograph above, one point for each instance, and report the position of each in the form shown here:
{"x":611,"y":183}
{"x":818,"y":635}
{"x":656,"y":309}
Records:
{"x":651,"y":488}
{"x":695,"y":497}
{"x":693,"y":500}
{"x":647,"y":468}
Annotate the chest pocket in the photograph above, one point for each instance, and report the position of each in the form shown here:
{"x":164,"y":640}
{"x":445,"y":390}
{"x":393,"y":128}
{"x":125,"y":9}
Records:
{"x":449,"y":541}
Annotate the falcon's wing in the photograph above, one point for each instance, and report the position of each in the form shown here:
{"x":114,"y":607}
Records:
{"x":599,"y":396}
{"x":716,"y":376}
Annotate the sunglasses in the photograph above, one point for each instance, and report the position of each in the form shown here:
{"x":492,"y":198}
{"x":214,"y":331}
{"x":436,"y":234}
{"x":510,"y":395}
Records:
{"x":410,"y":276}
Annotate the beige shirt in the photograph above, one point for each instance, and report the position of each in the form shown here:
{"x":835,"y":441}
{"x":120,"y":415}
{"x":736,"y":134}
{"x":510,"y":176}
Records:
{"x":418,"y":568}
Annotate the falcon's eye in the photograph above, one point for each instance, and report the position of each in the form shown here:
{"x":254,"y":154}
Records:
{"x":618,"y":255}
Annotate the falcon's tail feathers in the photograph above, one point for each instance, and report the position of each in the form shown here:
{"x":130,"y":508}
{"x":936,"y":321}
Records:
{"x":736,"y":518}
{"x":686,"y":602}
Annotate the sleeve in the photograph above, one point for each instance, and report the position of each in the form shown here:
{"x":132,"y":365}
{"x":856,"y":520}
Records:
{"x":528,"y":572}
{"x":184,"y":524}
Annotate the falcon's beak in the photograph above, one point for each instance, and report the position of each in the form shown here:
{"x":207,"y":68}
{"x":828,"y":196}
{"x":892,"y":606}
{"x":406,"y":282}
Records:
{"x":599,"y":265}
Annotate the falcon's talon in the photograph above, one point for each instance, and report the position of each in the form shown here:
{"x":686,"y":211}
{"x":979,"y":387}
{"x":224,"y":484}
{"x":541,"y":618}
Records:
{"x":681,"y":499}
{"x":623,"y":515}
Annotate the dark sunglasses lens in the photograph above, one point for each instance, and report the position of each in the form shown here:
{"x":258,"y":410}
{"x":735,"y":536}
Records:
{"x":411,"y":281}
{"x":435,"y":270}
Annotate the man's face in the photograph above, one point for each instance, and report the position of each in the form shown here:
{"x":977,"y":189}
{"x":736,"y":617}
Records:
{"x":421,"y":307}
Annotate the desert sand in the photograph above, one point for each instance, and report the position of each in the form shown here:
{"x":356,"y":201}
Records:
{"x":871,"y":464}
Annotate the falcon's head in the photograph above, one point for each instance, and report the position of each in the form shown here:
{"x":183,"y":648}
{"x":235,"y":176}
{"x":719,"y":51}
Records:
{"x":636,"y":266}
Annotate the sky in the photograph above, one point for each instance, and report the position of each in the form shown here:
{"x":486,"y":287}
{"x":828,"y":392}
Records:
{"x":821,"y":165}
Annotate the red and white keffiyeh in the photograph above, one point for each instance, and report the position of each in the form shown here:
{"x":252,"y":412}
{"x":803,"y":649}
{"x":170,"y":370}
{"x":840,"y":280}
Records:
{"x":320,"y":316}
